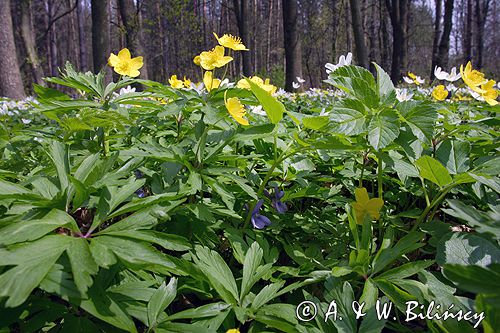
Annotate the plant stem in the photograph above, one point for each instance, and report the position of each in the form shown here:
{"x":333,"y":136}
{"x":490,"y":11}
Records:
{"x":379,"y":175}
{"x":427,"y":209}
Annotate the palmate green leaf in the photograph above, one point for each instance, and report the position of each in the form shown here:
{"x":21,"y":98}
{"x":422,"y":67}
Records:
{"x":160,"y":300}
{"x":134,"y":254}
{"x":32,"y":262}
{"x":274,"y":108}
{"x":383,"y":129}
{"x":252,"y":261}
{"x":315,"y":122}
{"x":218,"y":273}
{"x":167,"y":241}
{"x":480,"y":221}
{"x":406,"y":270}
{"x":348,"y":121}
{"x":454,"y":155}
{"x":204,"y":311}
{"x":398,"y":296}
{"x":420,"y":117}
{"x":59,"y":156}
{"x":29,"y":230}
{"x":82,"y":263}
{"x":466,"y":249}
{"x":64,"y":106}
{"x":266,"y":294}
{"x":385,"y":87}
{"x":357,"y":82}
{"x":434,"y":171}
{"x":474,"y":278}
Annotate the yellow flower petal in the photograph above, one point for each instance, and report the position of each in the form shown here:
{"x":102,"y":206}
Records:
{"x":124,"y":54}
{"x":440,"y":93}
{"x":136,"y":63}
{"x":365,"y":206}
{"x":236,"y":109}
{"x":113,"y":60}
{"x":123,"y":64}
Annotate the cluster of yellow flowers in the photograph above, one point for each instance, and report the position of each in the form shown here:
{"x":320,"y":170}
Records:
{"x":479,"y":84}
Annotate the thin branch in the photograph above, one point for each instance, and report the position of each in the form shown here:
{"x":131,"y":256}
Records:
{"x":52,"y":21}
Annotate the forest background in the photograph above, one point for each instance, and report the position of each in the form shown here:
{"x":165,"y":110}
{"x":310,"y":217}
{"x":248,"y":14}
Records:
{"x":292,"y":37}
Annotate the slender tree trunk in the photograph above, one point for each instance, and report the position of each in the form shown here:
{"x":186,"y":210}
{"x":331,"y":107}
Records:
{"x":481,"y":15}
{"x":82,"y":47}
{"x":468,"y":33}
{"x":11,"y":83}
{"x":100,"y":33}
{"x":437,"y":35}
{"x":359,"y":35}
{"x":242,"y":11}
{"x":444,"y":44}
{"x":29,"y":41}
{"x":397,"y":11}
{"x":293,"y":52}
{"x":130,"y":18}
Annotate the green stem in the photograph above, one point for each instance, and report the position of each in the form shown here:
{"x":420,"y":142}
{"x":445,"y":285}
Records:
{"x":379,"y":175}
{"x":427,"y":209}
{"x":362,"y":170}
{"x":427,"y":201}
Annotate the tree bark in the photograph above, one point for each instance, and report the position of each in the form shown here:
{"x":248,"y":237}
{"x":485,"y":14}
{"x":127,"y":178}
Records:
{"x":358,"y":33}
{"x":293,"y":52}
{"x":11,"y":83}
{"x":444,"y":44}
{"x":29,"y":41}
{"x":437,"y":35}
{"x":242,"y":11}
{"x":130,"y":18}
{"x":100,"y":33}
{"x":397,"y":11}
{"x":481,"y":15}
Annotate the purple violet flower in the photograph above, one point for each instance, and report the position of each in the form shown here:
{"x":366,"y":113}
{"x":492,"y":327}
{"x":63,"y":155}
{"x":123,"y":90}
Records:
{"x":259,"y":221}
{"x":280,"y":207}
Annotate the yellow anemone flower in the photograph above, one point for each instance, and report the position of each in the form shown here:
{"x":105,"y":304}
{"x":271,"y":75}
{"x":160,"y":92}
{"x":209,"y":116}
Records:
{"x":187,"y":82}
{"x":175,"y":83}
{"x":231,"y":42}
{"x":490,"y":95}
{"x":366,"y":206}
{"x":440,"y":93}
{"x":214,"y":59}
{"x":233,"y":330}
{"x":197,"y":60}
{"x":473,"y":78}
{"x":236,"y":109}
{"x":124,"y":64}
{"x":210,"y":82}
{"x":266,"y":85}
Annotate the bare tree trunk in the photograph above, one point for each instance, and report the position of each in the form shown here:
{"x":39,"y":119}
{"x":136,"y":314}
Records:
{"x":481,"y":15}
{"x":29,"y":41}
{"x":437,"y":35}
{"x":468,"y":33}
{"x":11,"y":83}
{"x":444,"y":44}
{"x":100,"y":33}
{"x":82,"y":47}
{"x":397,"y":11}
{"x":242,"y":11}
{"x":130,"y":18}
{"x":293,"y":52}
{"x":359,"y":35}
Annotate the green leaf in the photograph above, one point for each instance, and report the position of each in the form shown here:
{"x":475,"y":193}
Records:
{"x":252,"y":261}
{"x":218,"y":273}
{"x":474,"y":278}
{"x":160,"y":300}
{"x":167,"y":241}
{"x":406,"y":270}
{"x":385,"y":256}
{"x":315,"y":122}
{"x":137,"y":255}
{"x":454,"y":155}
{"x":207,"y":310}
{"x":434,"y":171}
{"x":82,"y":263}
{"x":32,"y":262}
{"x":383,"y":129}
{"x":481,"y":221}
{"x":59,"y":155}
{"x":466,"y":249}
{"x":274,"y":108}
{"x":33,"y":229}
{"x":385,"y":87}
{"x":420,"y":117}
{"x":349,"y":118}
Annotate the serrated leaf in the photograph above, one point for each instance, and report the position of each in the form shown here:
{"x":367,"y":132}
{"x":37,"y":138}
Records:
{"x":160,"y":300}
{"x":383,"y":129}
{"x":434,"y":171}
{"x":274,"y":108}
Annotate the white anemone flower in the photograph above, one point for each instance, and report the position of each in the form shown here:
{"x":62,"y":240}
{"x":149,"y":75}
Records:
{"x":403,"y":95}
{"x":343,"y":61}
{"x":295,"y":85}
{"x":452,"y":76}
{"x":300,"y":80}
